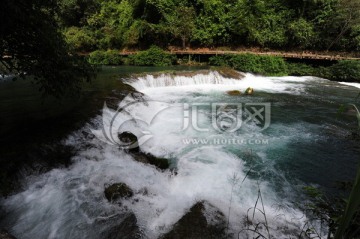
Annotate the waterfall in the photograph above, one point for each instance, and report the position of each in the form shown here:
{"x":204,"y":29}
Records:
{"x":166,"y":80}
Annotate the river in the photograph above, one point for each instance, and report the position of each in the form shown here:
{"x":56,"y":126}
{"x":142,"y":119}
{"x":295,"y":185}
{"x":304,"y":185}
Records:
{"x":288,"y":135}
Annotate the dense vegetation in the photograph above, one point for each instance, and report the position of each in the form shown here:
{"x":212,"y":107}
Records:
{"x":31,"y":44}
{"x":286,"y":24}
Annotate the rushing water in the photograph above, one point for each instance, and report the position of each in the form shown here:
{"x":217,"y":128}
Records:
{"x":305,"y":144}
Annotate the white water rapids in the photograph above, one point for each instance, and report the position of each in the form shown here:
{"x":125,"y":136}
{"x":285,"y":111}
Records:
{"x":70,"y":203}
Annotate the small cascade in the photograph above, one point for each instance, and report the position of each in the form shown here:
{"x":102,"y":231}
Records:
{"x":166,"y":80}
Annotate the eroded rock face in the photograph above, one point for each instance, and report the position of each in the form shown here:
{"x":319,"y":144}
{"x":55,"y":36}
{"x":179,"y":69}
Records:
{"x":127,"y":229}
{"x":203,"y":221}
{"x":118,"y":190}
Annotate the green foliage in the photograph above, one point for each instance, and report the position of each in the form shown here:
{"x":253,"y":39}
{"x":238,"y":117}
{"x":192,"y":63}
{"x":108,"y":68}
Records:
{"x":34,"y":46}
{"x":300,"y":69}
{"x":179,"y":22}
{"x":213,"y":23}
{"x":349,"y":221}
{"x":344,"y":71}
{"x":154,"y":56}
{"x":76,"y":12}
{"x":303,"y":24}
{"x":109,"y":57}
{"x":112,"y":22}
{"x":322,"y":208}
{"x":266,"y":65}
{"x":262,"y":22}
{"x":301,"y":33}
{"x":80,"y":39}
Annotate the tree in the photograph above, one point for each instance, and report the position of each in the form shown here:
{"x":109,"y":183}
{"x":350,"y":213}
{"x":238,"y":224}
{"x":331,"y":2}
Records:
{"x":261,"y":23}
{"x":180,"y":22}
{"x":348,"y":16}
{"x":32,"y":46}
{"x":301,"y":33}
{"x":212,"y":22}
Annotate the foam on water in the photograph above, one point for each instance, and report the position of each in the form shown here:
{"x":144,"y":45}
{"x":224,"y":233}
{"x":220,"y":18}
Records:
{"x":212,"y":81}
{"x":357,"y":85}
{"x":69,"y":203}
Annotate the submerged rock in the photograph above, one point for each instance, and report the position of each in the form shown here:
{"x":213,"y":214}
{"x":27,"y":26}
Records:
{"x":5,"y":235}
{"x":203,"y":221}
{"x":118,"y":190}
{"x":234,"y":92}
{"x":127,"y":229}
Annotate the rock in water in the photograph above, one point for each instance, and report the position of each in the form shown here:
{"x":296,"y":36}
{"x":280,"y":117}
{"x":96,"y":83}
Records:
{"x":203,"y":221}
{"x":118,"y":190}
{"x":127,"y":229}
{"x":249,"y":91}
{"x":130,"y":141}
{"x":234,"y":92}
{"x":160,"y":163}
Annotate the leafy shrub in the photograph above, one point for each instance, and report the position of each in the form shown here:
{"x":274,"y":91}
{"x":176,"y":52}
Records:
{"x":109,"y":57}
{"x":154,"y":56}
{"x":300,"y":69}
{"x":348,"y":70}
{"x":220,"y":60}
{"x":266,"y":65}
{"x":80,"y":39}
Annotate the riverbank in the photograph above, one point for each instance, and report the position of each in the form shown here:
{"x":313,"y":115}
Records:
{"x":263,"y":64}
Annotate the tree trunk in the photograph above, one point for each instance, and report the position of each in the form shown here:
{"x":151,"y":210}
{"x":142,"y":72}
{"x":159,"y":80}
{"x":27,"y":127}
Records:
{"x":183,"y":42}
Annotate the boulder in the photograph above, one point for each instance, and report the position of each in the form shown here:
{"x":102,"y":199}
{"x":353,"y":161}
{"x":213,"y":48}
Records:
{"x":203,"y":221}
{"x":129,"y":139}
{"x":127,"y":229}
{"x":249,"y":91}
{"x":118,"y":190}
{"x":160,"y":163}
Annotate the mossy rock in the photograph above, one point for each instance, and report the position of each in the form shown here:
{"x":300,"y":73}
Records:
{"x":197,"y":224}
{"x":249,"y":91}
{"x":118,"y":190}
{"x":234,"y":92}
